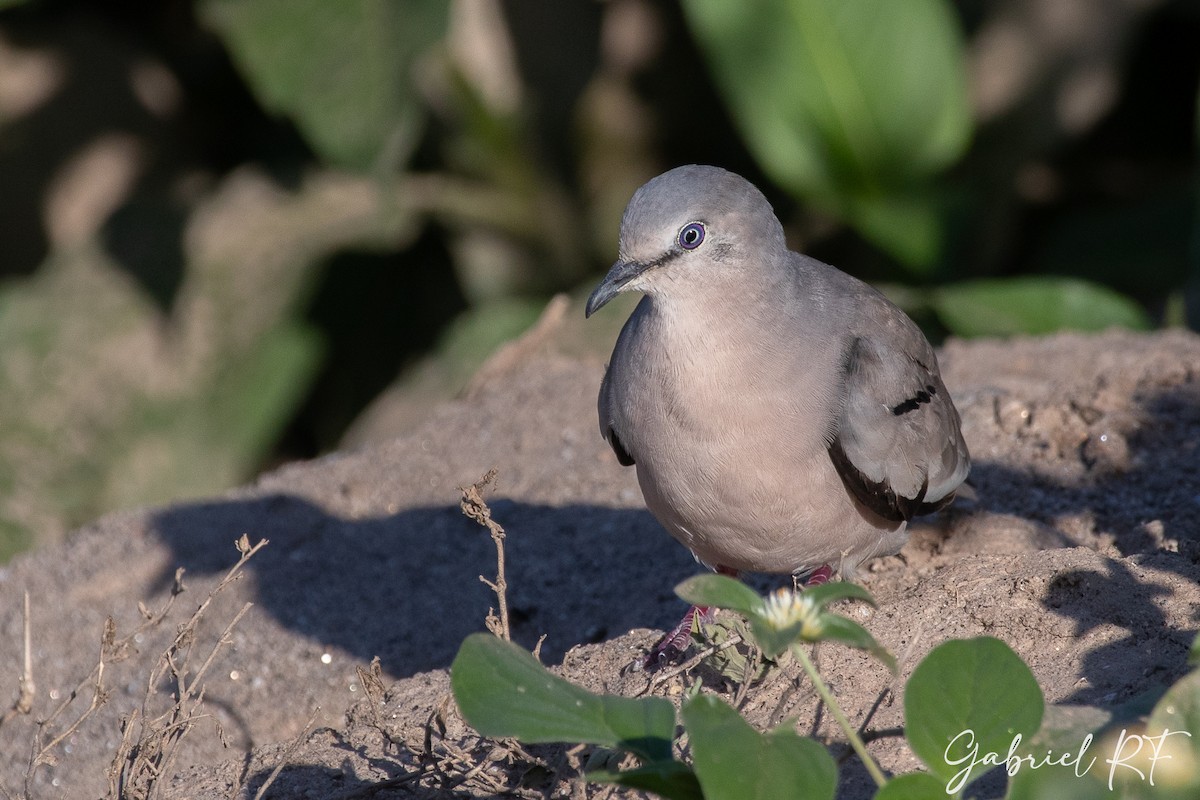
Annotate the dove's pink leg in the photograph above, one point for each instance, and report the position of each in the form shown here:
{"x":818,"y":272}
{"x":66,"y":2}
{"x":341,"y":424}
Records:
{"x":820,"y":575}
{"x":674,"y":643}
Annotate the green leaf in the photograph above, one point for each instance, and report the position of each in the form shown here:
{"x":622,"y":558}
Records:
{"x":840,"y":629}
{"x":913,"y":786}
{"x":503,"y":691}
{"x":1067,"y":761}
{"x":1151,"y":756}
{"x":851,"y":104}
{"x":965,"y":703}
{"x":1172,"y":737}
{"x":669,"y":779}
{"x":339,"y":70}
{"x":772,"y":640}
{"x":720,"y":591}
{"x":1193,"y":659}
{"x":730,"y":662}
{"x":826,"y":593}
{"x":250,"y":398}
{"x":905,"y":222}
{"x":733,"y":761}
{"x":1033,"y":305}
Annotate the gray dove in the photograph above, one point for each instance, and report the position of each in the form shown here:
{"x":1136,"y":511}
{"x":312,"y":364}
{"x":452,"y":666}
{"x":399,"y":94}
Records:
{"x":783,"y":416}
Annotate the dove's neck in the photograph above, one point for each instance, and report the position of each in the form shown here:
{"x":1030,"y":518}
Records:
{"x":730,"y":313}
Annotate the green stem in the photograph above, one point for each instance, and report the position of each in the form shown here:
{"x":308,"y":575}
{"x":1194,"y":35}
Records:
{"x":831,"y":702}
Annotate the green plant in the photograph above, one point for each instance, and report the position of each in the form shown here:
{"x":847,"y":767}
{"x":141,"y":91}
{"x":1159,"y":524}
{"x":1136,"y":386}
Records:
{"x":434,"y":176}
{"x":965,"y":705}
{"x":1145,"y":749}
{"x":853,"y":105}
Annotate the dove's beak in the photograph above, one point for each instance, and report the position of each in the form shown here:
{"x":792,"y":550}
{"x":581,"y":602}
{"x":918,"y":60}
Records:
{"x":613,"y":284}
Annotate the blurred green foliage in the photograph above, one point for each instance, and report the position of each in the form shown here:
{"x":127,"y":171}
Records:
{"x":337,"y":70}
{"x":232,"y":230}
{"x":1033,"y":305}
{"x":852,"y":105}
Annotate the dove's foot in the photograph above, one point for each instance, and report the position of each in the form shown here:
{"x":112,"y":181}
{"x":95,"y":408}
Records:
{"x":671,"y":647}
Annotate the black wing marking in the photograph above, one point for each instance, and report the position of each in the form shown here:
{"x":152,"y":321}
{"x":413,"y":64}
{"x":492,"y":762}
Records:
{"x":879,"y":495}
{"x":875,"y":495}
{"x":623,"y":457}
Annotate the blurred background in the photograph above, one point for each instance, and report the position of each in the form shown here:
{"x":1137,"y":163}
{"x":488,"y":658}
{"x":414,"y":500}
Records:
{"x":239,"y":232}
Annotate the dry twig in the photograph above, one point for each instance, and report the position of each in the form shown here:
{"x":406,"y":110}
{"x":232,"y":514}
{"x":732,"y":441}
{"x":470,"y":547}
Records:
{"x":28,"y":689}
{"x":288,"y":753}
{"x":475,"y":508}
{"x":150,"y":743}
{"x":112,"y":650}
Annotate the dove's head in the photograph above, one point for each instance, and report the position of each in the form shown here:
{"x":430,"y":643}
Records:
{"x":694,"y":225}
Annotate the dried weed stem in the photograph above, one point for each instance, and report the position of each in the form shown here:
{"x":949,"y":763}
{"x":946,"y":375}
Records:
{"x":150,"y":743}
{"x":474,"y":507}
{"x":287,"y":754}
{"x":28,"y":689}
{"x":112,"y":650}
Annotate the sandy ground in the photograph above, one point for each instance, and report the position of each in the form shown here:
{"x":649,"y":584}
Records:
{"x":1081,"y":551}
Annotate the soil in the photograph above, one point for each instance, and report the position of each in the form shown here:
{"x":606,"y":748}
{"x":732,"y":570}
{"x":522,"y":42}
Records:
{"x":1081,"y":550}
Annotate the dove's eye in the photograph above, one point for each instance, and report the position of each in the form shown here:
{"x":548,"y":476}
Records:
{"x":691,"y":235}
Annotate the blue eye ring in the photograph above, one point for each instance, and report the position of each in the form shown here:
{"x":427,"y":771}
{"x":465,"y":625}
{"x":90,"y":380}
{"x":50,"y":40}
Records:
{"x":691,"y":235}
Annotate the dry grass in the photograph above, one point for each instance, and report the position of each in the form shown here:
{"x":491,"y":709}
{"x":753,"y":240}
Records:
{"x":445,"y":757}
{"x":150,"y":739}
{"x":23,"y":705}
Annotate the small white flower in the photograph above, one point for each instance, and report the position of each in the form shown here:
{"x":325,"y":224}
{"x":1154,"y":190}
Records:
{"x":785,"y":609}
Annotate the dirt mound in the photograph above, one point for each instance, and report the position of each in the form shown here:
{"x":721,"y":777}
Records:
{"x":1081,"y":551}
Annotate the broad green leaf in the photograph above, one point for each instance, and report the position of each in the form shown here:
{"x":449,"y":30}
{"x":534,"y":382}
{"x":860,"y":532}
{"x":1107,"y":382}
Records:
{"x":340,"y":70}
{"x":1193,"y":659}
{"x":913,"y":786}
{"x":1010,"y":306}
{"x":905,"y":222}
{"x":840,"y":629}
{"x":13,"y":539}
{"x":733,"y":761}
{"x":965,"y":703}
{"x":773,"y":639}
{"x":1147,"y":757}
{"x":850,"y":104}
{"x":504,"y":692}
{"x":1171,"y":744}
{"x":670,"y":779}
{"x":720,"y":591}
{"x":827,"y":593}
{"x":249,"y":397}
{"x":1067,"y":758}
{"x":1062,"y":784}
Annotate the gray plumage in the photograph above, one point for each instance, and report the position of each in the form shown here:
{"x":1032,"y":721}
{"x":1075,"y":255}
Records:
{"x":781,"y":414}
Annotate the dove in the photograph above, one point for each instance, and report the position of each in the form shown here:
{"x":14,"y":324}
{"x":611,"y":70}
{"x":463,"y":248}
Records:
{"x":782,"y":415}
